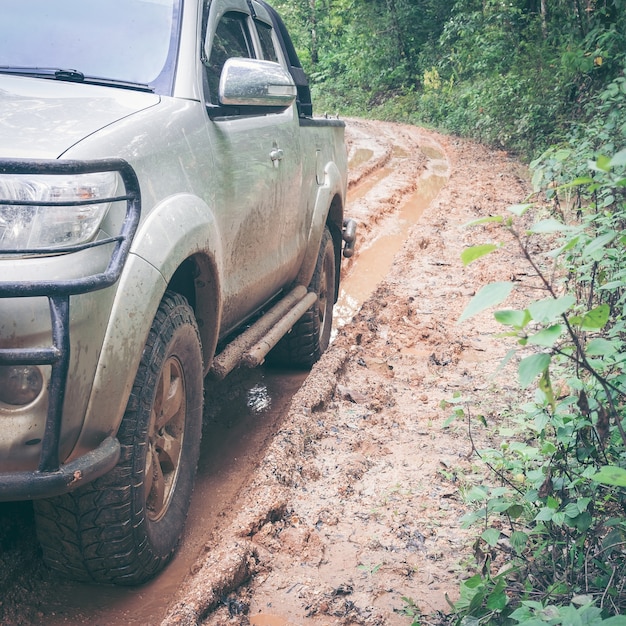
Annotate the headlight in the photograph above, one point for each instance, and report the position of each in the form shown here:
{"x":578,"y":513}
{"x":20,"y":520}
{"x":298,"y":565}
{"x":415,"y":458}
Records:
{"x":33,"y":227}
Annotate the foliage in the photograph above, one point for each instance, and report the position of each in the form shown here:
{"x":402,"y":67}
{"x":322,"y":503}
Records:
{"x":507,"y":73}
{"x":558,"y":512}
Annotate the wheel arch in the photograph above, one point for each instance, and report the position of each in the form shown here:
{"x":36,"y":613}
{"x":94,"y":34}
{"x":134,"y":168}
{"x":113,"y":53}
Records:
{"x":196,"y":279}
{"x":329,"y":210}
{"x":178,"y":246}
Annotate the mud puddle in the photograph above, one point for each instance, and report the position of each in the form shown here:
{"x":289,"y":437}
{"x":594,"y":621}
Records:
{"x":376,"y":259}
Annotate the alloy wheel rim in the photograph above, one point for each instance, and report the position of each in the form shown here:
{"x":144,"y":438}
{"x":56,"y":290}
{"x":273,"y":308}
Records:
{"x":165,"y":438}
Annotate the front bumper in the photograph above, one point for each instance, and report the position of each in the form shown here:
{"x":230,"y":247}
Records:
{"x":51,"y":477}
{"x":84,"y":469}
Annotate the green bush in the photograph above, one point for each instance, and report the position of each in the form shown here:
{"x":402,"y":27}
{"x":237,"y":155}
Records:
{"x":558,"y":509}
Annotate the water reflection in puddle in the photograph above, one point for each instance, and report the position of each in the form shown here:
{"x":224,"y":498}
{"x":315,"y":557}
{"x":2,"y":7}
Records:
{"x":259,"y":399}
{"x":362,"y":155}
{"x":375,"y":261}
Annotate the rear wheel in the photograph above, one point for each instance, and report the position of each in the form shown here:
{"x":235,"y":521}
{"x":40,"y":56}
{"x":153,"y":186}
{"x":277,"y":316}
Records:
{"x":310,"y":335}
{"x":124,"y":527}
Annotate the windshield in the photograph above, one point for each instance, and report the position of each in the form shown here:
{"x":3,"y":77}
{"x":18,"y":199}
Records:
{"x":123,"y":40}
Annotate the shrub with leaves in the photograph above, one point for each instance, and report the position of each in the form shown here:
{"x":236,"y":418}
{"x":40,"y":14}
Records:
{"x":558,"y":511}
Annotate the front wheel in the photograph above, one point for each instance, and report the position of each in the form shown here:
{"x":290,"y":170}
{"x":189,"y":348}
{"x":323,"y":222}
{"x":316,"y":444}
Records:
{"x":310,"y":335}
{"x":124,"y":527}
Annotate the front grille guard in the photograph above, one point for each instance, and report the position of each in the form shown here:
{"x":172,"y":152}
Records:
{"x":58,"y":292}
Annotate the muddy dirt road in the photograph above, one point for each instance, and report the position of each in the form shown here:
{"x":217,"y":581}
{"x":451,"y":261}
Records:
{"x":333,"y":498}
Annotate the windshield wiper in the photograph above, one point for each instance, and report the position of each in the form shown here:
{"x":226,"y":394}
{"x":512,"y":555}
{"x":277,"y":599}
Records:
{"x":74,"y":76}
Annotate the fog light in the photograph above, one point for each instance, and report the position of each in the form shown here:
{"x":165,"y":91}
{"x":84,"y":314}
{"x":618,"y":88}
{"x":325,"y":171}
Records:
{"x":20,"y":385}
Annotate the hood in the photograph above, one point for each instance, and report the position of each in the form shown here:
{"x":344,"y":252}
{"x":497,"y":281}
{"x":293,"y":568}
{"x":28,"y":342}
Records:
{"x":42,"y":119}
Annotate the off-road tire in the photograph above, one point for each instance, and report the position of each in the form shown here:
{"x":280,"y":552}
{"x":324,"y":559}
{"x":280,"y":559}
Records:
{"x":310,"y":335}
{"x":124,"y":527}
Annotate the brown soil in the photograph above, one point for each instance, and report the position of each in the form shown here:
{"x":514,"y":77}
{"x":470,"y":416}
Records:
{"x":352,"y":512}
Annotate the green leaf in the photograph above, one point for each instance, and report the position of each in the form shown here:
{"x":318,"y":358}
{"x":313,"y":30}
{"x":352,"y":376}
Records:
{"x":583,"y":522}
{"x":598,"y":244}
{"x":550,"y":226}
{"x":507,"y":357}
{"x":611,"y":475}
{"x":491,"y":536}
{"x":571,"y":510}
{"x":488,"y":296}
{"x":476,"y":252}
{"x":545,"y":514}
{"x":497,"y":599}
{"x":476,"y":494}
{"x":546,"y":337}
{"x":602,"y":347}
{"x":514,"y":511}
{"x":545,"y":385}
{"x":519,"y":209}
{"x":616,"y":620}
{"x":472,"y":517}
{"x":518,"y":540}
{"x":602,"y":163}
{"x":565,"y":247}
{"x":596,"y":318}
{"x":618,"y":159}
{"x":531,"y":367}
{"x":477,"y":601}
{"x":581,"y":180}
{"x":517,"y":319}
{"x":537,"y":180}
{"x":485,"y":220}
{"x":546,"y":311}
{"x":474,"y":582}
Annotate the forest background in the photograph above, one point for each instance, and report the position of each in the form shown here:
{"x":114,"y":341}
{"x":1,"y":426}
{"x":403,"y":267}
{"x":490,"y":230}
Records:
{"x":544,"y":80}
{"x":521,"y":74}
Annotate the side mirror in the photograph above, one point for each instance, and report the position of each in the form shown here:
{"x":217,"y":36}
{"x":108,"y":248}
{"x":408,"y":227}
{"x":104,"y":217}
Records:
{"x":250,"y":82}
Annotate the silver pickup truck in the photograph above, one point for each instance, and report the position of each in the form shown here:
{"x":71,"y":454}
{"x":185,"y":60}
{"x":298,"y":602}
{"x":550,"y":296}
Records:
{"x":169,"y":209}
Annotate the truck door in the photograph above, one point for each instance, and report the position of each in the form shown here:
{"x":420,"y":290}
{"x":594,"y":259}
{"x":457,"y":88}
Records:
{"x":259,"y":169}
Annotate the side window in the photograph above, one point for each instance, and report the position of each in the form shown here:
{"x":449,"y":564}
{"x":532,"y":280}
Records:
{"x":232,"y":39}
{"x":267,"y":43}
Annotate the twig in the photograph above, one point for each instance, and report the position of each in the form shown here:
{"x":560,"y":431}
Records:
{"x":608,"y":586}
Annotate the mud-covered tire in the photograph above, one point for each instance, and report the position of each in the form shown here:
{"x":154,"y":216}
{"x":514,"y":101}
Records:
{"x":124,"y":527}
{"x":310,"y":335}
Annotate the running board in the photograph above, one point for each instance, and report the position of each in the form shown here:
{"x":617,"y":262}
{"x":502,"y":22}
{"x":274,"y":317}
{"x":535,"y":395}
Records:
{"x":252,"y":346}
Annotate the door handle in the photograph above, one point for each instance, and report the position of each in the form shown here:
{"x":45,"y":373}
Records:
{"x":276,"y":155}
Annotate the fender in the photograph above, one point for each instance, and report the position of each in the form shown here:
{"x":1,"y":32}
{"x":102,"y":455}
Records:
{"x":179,"y":228}
{"x":332,"y":186}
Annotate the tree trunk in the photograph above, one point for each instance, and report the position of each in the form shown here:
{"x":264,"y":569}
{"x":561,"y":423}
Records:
{"x":544,"y":19}
{"x":313,"y":31}
{"x":391,"y":6}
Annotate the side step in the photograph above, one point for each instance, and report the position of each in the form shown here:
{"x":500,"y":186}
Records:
{"x":252,"y":346}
